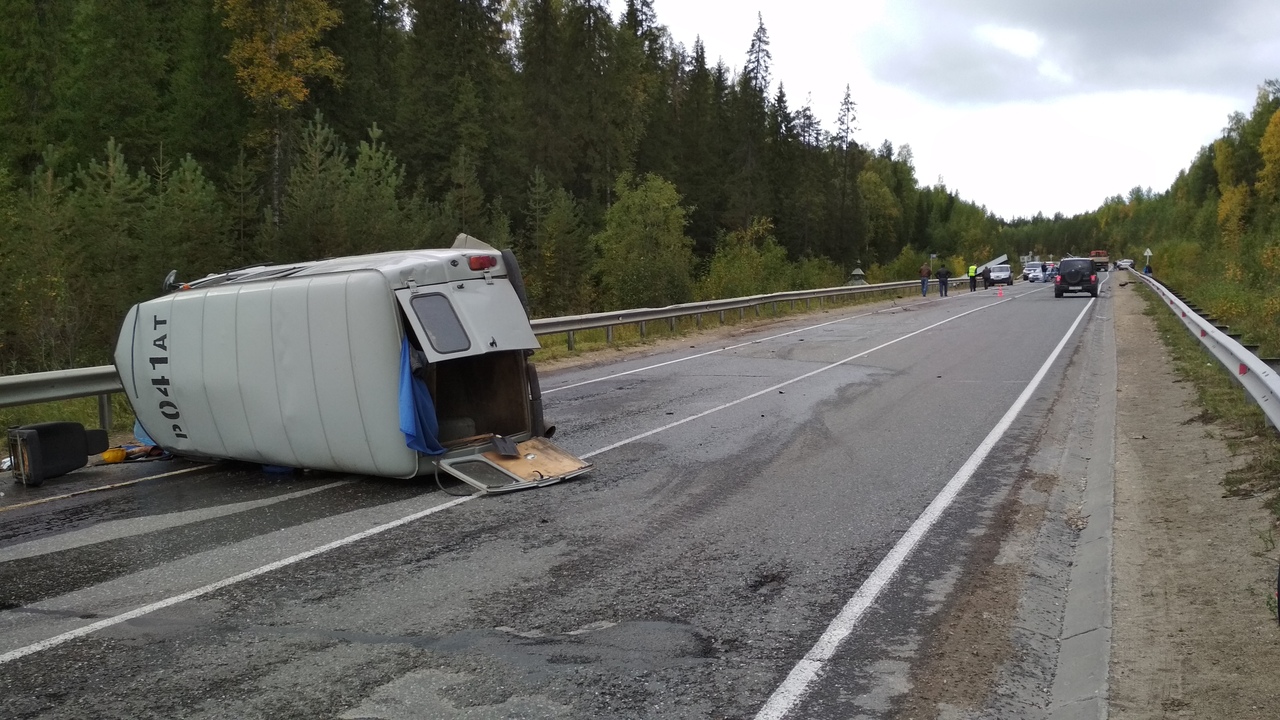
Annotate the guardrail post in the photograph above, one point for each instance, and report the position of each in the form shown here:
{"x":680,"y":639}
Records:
{"x":721,"y":317}
{"x":608,"y":335}
{"x":793,"y":305}
{"x":775,"y":307}
{"x":806,"y":303}
{"x":671,"y":324}
{"x":104,"y":412}
{"x":757,"y":307}
{"x":642,"y":328}
{"x":742,"y":313}
{"x":570,"y":334}
{"x":697,"y":320}
{"x":819,"y":303}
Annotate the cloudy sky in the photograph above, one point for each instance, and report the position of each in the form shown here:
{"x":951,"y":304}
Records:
{"x":1024,"y":106}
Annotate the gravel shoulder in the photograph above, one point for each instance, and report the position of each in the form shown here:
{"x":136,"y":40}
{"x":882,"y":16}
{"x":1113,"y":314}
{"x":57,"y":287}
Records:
{"x":1192,"y":570}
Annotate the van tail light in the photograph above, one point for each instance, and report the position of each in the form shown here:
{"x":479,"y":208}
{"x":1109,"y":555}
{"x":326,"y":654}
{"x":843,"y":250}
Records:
{"x":1057,"y":279}
{"x":482,"y":262}
{"x":1093,"y":278}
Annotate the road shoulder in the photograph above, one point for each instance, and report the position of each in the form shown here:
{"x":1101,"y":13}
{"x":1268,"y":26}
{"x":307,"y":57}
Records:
{"x":1193,"y":636}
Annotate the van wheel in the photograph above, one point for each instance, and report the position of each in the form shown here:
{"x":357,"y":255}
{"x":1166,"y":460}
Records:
{"x":516,"y":279}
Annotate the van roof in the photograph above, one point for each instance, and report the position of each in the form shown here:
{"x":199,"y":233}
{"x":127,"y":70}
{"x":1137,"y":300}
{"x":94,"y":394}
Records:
{"x":425,"y":266}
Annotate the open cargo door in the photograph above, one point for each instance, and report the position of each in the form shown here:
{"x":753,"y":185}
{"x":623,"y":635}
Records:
{"x":534,"y":463}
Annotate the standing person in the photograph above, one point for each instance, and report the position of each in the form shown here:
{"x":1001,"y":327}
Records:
{"x":973,"y":278}
{"x":986,"y":278}
{"x":944,"y":275}
{"x":925,"y":272}
{"x":1146,"y":270}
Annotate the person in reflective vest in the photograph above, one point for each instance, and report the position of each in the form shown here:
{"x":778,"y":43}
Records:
{"x":973,"y":278}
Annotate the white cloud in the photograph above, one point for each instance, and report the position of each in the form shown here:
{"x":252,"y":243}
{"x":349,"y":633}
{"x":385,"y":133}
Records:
{"x":1024,"y":107}
{"x":1023,"y":43}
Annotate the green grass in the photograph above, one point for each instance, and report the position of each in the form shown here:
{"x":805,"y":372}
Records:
{"x":81,"y":410}
{"x":1224,"y":401}
{"x":556,"y":347}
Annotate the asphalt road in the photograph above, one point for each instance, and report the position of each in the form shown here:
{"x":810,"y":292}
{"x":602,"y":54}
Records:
{"x":750,"y":500}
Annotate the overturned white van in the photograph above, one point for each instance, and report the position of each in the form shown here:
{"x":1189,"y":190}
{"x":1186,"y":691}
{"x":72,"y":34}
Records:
{"x":398,"y":364}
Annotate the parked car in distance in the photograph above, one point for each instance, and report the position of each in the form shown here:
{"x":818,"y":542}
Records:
{"x":1125,"y":264}
{"x":1036,"y":275}
{"x":1031,"y":267}
{"x":1001,"y":274}
{"x":1076,"y":275}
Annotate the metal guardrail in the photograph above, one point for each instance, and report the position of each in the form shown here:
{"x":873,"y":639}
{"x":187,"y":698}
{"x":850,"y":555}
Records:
{"x":641,"y":316}
{"x":1260,"y":380}
{"x":103,"y":381}
{"x":34,"y":388}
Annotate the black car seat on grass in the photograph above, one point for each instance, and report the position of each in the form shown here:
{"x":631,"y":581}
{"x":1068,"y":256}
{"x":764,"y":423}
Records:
{"x":47,"y":450}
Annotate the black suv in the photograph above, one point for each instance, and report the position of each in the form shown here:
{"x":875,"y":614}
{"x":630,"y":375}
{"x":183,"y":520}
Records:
{"x":1075,"y":275}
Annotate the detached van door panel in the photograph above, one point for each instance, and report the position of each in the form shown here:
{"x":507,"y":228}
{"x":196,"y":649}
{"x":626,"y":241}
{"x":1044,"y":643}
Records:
{"x":539,"y":463}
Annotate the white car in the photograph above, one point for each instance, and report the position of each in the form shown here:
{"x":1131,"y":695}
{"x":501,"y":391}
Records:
{"x":1035,"y":275}
{"x":1001,"y":274}
{"x":1124,"y":265}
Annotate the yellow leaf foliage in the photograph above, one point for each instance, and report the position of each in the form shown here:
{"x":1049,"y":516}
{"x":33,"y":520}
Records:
{"x":1269,"y":179}
{"x":275,"y":49}
{"x":1270,"y":258}
{"x":1233,"y":208}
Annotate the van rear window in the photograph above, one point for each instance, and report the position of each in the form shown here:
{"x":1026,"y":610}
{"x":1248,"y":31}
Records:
{"x":444,"y":330}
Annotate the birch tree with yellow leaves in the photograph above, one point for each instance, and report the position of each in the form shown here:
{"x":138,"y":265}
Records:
{"x":276,"y":53}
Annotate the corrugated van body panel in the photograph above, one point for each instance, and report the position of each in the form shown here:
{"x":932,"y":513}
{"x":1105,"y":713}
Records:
{"x":334,"y":382}
{"x":257,"y":371}
{"x":299,"y":396}
{"x":186,"y":318}
{"x":302,"y":372}
{"x":372,"y":318}
{"x":221,"y":377}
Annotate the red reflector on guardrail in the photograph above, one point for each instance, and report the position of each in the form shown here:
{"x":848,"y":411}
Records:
{"x":1244,"y":370}
{"x":1203,"y":333}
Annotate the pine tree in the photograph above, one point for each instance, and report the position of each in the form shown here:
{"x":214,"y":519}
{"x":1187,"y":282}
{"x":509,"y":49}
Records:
{"x":111,"y":83}
{"x":370,"y":40}
{"x":32,"y":43}
{"x":206,"y":115}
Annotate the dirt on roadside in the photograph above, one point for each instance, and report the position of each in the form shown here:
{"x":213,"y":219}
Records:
{"x":1193,"y":571}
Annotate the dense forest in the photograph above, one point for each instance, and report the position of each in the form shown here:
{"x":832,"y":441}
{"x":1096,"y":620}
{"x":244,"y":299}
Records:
{"x":1214,"y":234}
{"x":623,"y":166}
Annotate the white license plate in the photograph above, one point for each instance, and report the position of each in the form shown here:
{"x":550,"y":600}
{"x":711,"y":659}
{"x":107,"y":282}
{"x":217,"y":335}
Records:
{"x":1074,"y":287}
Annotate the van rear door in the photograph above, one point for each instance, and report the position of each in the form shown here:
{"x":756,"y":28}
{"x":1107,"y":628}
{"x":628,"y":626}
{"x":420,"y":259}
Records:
{"x":535,"y":462}
{"x":453,"y":320}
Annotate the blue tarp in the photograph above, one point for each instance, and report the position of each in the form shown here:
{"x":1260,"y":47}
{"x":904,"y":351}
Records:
{"x":141,"y":434}
{"x":417,"y":412}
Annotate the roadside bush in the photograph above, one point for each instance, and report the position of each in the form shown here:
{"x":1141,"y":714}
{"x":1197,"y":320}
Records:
{"x":645,"y":256}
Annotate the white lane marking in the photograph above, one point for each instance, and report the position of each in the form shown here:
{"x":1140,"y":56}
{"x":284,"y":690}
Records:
{"x":785,"y":383}
{"x":704,"y":354}
{"x":750,"y":342}
{"x":729,"y":347}
{"x":211,"y":587}
{"x":145,"y":609}
{"x":117,"y":529}
{"x":104,"y":487}
{"x":797,"y":682}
